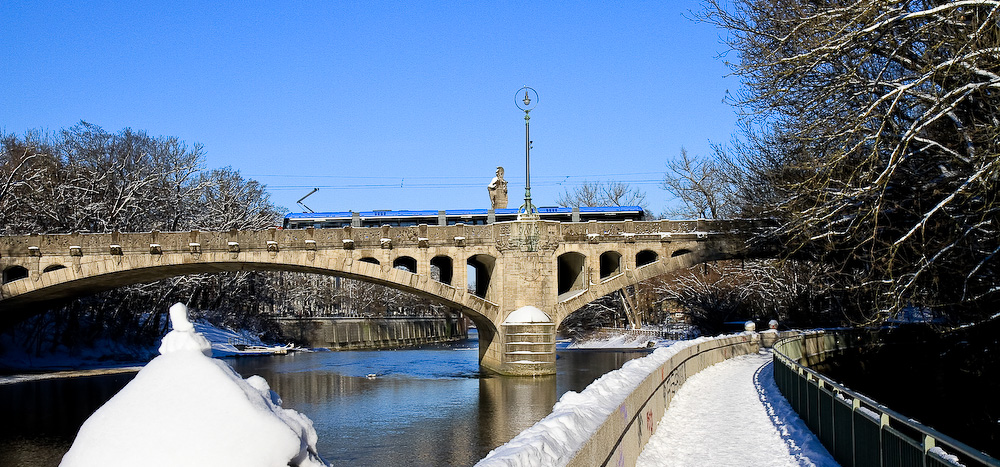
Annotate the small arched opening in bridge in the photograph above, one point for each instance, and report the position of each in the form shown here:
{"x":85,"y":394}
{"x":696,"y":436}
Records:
{"x":680,"y":252}
{"x":611,"y":264}
{"x":405,"y":263}
{"x":570,"y":270}
{"x":479,"y":271}
{"x":645,"y":257}
{"x":14,"y":273}
{"x":370,"y":260}
{"x":53,"y":267}
{"x":442,"y":269}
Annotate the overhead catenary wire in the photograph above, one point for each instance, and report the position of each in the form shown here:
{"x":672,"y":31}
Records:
{"x":351,"y":182}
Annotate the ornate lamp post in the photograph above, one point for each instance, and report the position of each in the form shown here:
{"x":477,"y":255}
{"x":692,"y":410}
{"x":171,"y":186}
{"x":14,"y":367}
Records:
{"x":526,"y":99}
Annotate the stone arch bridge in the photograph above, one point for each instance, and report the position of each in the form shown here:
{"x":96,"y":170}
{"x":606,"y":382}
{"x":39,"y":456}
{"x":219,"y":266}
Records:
{"x":555,"y":267}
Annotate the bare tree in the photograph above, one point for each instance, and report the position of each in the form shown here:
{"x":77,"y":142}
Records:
{"x":603,"y":194}
{"x":22,"y":169}
{"x":702,"y":185}
{"x":875,"y":126}
{"x":604,"y":312}
{"x":228,"y":201}
{"x":794,"y":293}
{"x":85,"y":178}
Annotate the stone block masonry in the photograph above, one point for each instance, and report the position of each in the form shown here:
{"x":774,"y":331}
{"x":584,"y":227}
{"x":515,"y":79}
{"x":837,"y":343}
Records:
{"x":374,"y":333}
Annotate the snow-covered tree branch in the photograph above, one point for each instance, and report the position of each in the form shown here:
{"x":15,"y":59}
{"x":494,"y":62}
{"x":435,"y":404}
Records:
{"x":874,"y":127}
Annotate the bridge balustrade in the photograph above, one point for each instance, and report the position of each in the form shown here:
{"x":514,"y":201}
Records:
{"x":373,"y":237}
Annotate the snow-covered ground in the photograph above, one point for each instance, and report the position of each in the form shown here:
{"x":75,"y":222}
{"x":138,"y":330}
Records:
{"x":24,"y":377}
{"x":223,"y":341}
{"x":648,"y":337}
{"x":104,"y":353}
{"x":731,"y":414}
{"x":106,"y":356}
{"x":186,"y":408}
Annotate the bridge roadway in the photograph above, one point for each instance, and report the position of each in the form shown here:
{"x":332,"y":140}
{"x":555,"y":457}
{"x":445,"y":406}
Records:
{"x":555,"y":267}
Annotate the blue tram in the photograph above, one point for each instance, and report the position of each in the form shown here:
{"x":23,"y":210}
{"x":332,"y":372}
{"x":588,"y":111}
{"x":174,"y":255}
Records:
{"x":378,"y":218}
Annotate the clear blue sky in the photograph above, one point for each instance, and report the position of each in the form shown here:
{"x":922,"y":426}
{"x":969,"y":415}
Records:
{"x":382,"y":105}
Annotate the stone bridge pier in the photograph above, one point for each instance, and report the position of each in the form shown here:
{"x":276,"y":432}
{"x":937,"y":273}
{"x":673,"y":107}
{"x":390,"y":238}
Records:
{"x":517,"y":280}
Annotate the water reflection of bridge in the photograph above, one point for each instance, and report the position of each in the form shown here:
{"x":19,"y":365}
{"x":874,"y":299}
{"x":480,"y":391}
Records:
{"x":438,"y":412}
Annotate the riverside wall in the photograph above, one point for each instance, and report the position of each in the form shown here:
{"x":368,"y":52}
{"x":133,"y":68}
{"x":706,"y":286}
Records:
{"x":622,"y":436}
{"x":338,"y":333}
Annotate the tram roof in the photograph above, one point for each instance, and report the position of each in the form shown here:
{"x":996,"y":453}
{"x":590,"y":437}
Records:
{"x":454,"y":212}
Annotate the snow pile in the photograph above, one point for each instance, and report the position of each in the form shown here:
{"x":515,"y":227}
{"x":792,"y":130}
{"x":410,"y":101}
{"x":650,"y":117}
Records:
{"x":184,"y":408}
{"x":527,"y":315}
{"x":621,"y":341}
{"x":183,"y":338}
{"x":577,"y":416}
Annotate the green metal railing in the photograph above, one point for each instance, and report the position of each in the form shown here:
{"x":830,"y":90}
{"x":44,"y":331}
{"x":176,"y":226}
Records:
{"x":858,"y":431}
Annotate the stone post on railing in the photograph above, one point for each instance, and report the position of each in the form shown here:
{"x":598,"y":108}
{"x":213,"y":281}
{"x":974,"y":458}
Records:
{"x":770,"y":336}
{"x":750,"y":327}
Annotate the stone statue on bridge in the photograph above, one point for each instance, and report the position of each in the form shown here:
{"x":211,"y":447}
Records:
{"x":498,"y":190}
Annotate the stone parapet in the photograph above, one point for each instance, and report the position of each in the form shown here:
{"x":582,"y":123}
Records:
{"x":371,"y":237}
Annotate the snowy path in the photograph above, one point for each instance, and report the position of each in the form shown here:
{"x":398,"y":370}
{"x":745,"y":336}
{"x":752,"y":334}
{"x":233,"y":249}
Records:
{"x":731,"y":414}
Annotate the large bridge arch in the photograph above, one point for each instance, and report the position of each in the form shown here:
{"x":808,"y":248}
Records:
{"x":62,"y":282}
{"x":65,"y":282}
{"x":512,"y":265}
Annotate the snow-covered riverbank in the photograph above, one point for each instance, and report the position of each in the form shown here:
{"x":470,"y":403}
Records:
{"x":108,"y":357}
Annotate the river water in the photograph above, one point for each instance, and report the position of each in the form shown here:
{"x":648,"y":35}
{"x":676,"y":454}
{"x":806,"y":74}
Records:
{"x":426,"y":406}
